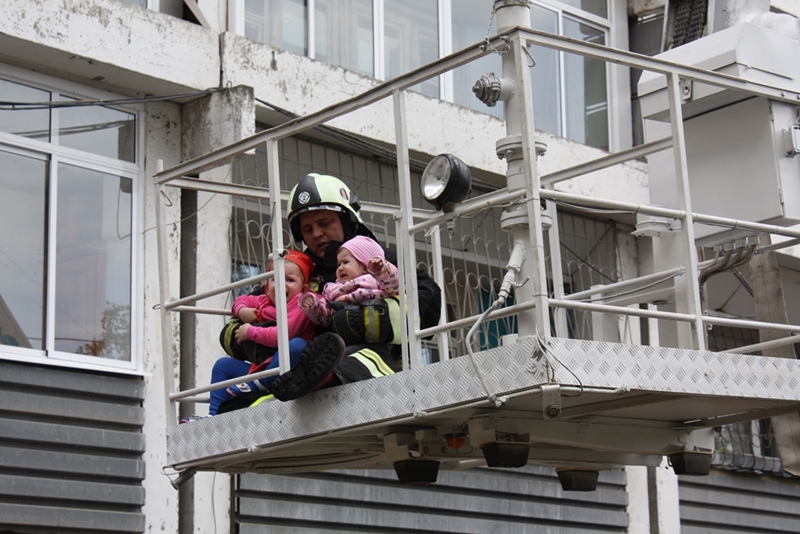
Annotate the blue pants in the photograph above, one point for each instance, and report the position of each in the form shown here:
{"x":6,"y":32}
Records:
{"x":227,"y":368}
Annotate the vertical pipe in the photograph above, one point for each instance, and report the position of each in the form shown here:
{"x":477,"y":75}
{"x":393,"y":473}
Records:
{"x":556,"y":270}
{"x":442,"y":338}
{"x":276,"y":228}
{"x":407,"y":252}
{"x":688,"y":289}
{"x":524,"y":221}
{"x":166,"y":318}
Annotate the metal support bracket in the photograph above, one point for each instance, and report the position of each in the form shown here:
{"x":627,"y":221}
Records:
{"x":686,"y":89}
{"x":551,"y":401}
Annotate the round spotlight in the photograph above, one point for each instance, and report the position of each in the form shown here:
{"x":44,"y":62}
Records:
{"x":446,"y":181}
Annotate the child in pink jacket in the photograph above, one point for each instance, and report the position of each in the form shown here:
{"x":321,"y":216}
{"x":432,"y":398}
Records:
{"x":258,"y":315}
{"x":362,"y":274}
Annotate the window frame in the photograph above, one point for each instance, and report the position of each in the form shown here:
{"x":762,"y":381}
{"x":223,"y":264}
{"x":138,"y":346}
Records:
{"x":54,"y":155}
{"x":619,"y":131}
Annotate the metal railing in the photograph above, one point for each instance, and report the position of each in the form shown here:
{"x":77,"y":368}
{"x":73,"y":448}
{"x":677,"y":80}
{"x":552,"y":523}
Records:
{"x":533,"y":312}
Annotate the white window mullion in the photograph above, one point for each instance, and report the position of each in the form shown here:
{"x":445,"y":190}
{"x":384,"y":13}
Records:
{"x":446,"y":48}
{"x":236,"y":16}
{"x":54,"y":115}
{"x":312,"y":45}
{"x":562,"y":90}
{"x":52,"y":210}
{"x":377,"y":29}
{"x":137,"y":253}
{"x":50,"y":286}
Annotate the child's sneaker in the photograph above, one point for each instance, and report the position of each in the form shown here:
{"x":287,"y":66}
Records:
{"x":317,"y":362}
{"x":191,"y":418}
{"x":235,"y":391}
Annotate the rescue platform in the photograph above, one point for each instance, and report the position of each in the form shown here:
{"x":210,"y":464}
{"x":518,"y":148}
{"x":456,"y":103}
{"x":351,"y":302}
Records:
{"x":577,"y":405}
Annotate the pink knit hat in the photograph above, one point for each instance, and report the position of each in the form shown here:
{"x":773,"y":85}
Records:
{"x":364,"y":249}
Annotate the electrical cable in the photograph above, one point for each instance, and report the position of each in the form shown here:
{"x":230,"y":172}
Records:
{"x":28,"y":106}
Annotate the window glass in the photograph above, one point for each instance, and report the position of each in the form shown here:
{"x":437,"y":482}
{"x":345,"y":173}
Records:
{"x":585,"y":85}
{"x":411,"y":39}
{"x":93,"y":264}
{"x":22,"y":250}
{"x":99,"y":130}
{"x":595,"y":7}
{"x":343,"y":34}
{"x":27,"y":123}
{"x":545,"y":78}
{"x":279,"y":23}
{"x":469,"y":26}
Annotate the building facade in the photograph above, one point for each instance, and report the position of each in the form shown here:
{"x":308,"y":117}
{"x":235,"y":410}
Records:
{"x":97,"y":95}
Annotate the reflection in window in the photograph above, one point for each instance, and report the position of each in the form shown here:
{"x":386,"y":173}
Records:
{"x":595,"y":7}
{"x":569,"y":100}
{"x":99,"y":130}
{"x":34,"y":123}
{"x":585,"y":84}
{"x":469,"y":26}
{"x":93,"y":264}
{"x":343,"y":34}
{"x":545,"y":75}
{"x":22,"y":250}
{"x":279,"y":23}
{"x":570,"y":96}
{"x":411,"y":35}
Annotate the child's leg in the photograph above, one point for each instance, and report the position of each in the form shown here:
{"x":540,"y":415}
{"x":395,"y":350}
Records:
{"x":296,"y":346}
{"x":224,"y":369}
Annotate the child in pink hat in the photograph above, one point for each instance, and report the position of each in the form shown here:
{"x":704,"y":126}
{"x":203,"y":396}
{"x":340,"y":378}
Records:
{"x":362,"y":274}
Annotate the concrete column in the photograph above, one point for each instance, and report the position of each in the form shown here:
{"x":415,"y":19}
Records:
{"x":209,"y":123}
{"x":771,"y":307}
{"x":161,"y":141}
{"x":638,"y":501}
{"x":663,"y":498}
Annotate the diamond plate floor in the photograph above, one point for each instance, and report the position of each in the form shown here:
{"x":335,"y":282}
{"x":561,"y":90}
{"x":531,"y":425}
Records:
{"x":618,"y":405}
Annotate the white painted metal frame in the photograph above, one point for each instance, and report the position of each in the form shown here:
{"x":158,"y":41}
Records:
{"x":245,"y":455}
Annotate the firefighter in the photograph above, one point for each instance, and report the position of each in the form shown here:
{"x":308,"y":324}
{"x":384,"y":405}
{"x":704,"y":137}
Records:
{"x":364,"y":340}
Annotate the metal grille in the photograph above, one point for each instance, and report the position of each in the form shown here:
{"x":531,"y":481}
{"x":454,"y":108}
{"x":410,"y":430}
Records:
{"x":371,"y":180}
{"x":690,"y":21}
{"x":743,"y":446}
{"x":747,"y":447}
{"x":588,"y":258}
{"x":474,"y":250}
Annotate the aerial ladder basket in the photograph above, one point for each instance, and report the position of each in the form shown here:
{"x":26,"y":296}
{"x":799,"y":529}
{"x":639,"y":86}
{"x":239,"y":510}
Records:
{"x":580,"y":406}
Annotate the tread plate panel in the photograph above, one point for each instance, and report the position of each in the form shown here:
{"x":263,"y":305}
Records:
{"x":452,"y":388}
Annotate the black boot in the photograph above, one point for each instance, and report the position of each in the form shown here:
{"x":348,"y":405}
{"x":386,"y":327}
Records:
{"x":317,"y":361}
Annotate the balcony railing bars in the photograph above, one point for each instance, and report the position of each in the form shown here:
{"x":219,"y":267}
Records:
{"x":410,"y":221}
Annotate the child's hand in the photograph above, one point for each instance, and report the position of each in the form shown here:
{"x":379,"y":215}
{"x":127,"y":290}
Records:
{"x":241,"y":333}
{"x":248,"y":315}
{"x":307,"y":301}
{"x":375,"y":265}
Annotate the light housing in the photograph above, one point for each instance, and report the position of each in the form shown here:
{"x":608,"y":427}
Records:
{"x":446,"y":181}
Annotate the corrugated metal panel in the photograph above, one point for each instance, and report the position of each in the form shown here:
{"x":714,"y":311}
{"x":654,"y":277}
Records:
{"x":479,"y":500}
{"x":71,"y":447}
{"x":728,"y":502}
